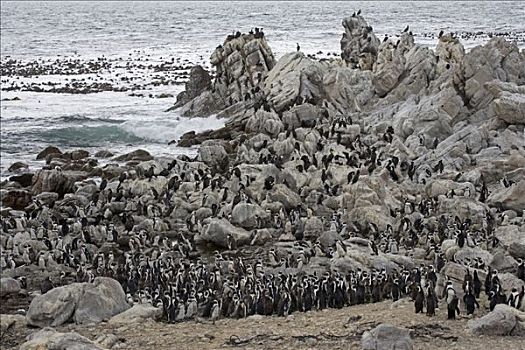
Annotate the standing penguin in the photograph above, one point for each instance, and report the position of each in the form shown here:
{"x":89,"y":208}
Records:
{"x":431,"y":301}
{"x":470,"y":302}
{"x":419,"y":300}
{"x":452,"y":301}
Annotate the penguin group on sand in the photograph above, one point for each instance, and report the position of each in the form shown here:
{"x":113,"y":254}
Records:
{"x":149,"y":225}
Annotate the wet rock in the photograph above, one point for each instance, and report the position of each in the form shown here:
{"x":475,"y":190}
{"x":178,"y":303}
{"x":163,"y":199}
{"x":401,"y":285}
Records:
{"x":9,"y":286}
{"x":504,"y":320}
{"x":17,"y":166}
{"x":78,"y":154}
{"x":104,"y":154}
{"x":49,"y":150}
{"x":57,"y":181}
{"x":137,"y":155}
{"x":386,"y":337}
{"x":25,"y":180}
{"x":16,"y":199}
{"x":137,"y":314}
{"x":198,"y":81}
{"x":50,"y":339}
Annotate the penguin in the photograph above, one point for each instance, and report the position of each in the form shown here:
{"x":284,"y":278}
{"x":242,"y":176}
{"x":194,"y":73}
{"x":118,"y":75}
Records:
{"x":470,"y":302}
{"x":419,"y":300}
{"x":298,"y":47}
{"x":46,"y":285}
{"x":431,"y":301}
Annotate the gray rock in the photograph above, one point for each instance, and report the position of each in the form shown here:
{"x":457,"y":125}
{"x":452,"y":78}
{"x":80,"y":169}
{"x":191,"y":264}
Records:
{"x":103,"y":299}
{"x":245,"y":215}
{"x":359,"y":44}
{"x":137,"y":314}
{"x":57,"y":181}
{"x":214,"y":156}
{"x":198,"y":81}
{"x":137,"y":155}
{"x":513,"y":239}
{"x":81,"y":302}
{"x":386,"y":337}
{"x":9,"y":286}
{"x":218,"y":230}
{"x":510,"y":198}
{"x":281,"y":193}
{"x":50,"y":339}
{"x":504,"y":320}
{"x":16,"y":199}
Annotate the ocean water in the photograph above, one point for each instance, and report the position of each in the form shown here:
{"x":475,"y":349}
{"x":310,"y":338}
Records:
{"x":136,"y":37}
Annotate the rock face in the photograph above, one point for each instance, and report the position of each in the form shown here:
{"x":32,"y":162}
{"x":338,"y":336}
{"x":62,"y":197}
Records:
{"x":359,"y":44}
{"x":503,"y":320}
{"x":81,"y":302}
{"x":50,"y":339}
{"x":198,"y":81}
{"x":58,"y":181}
{"x":241,"y":64}
{"x":386,"y":337}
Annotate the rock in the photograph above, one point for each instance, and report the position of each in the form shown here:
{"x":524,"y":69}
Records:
{"x":137,"y":314}
{"x":9,"y":321}
{"x":245,"y":215}
{"x":510,"y":198}
{"x":25,"y":180}
{"x":16,"y":199}
{"x":359,"y":44}
{"x":294,"y":77}
{"x":218,"y":230}
{"x":214,"y":156}
{"x":50,"y":339}
{"x":386,"y":337}
{"x":78,"y":154}
{"x":137,"y":155}
{"x":103,"y":299}
{"x":104,"y":154}
{"x":512,"y":238}
{"x":504,"y":320}
{"x":9,"y":286}
{"x":81,"y":302}
{"x":17,"y":166}
{"x":57,"y":181}
{"x":198,"y":81}
{"x":48,"y":151}
{"x":281,"y":193}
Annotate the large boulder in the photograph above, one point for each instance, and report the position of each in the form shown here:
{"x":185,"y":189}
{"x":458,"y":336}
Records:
{"x":387,"y":337}
{"x":81,"y":302}
{"x":16,"y":199}
{"x":246,"y":214}
{"x":137,"y":155}
{"x":512,"y":198}
{"x":48,"y":151}
{"x":50,"y":339}
{"x":281,"y":193}
{"x":513,"y":239}
{"x":213,"y":155}
{"x":503,"y":320}
{"x":58,"y":181}
{"x":198,"y":81}
{"x":217,"y":233}
{"x":100,"y":301}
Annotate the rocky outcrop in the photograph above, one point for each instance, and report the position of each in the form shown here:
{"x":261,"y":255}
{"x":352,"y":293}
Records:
{"x":241,"y":64}
{"x":49,"y":150}
{"x":359,"y":44}
{"x":58,"y":181}
{"x":387,"y":337}
{"x":198,"y":81}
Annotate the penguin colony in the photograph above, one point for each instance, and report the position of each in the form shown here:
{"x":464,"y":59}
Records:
{"x":122,"y":232}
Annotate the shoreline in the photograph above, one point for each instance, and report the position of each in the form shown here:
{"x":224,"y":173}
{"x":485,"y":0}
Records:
{"x":334,"y":184}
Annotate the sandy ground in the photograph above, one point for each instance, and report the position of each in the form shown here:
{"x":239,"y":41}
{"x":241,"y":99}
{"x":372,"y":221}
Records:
{"x":328,"y":329}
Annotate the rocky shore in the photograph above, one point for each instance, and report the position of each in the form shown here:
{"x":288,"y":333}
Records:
{"x":341,"y":193}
